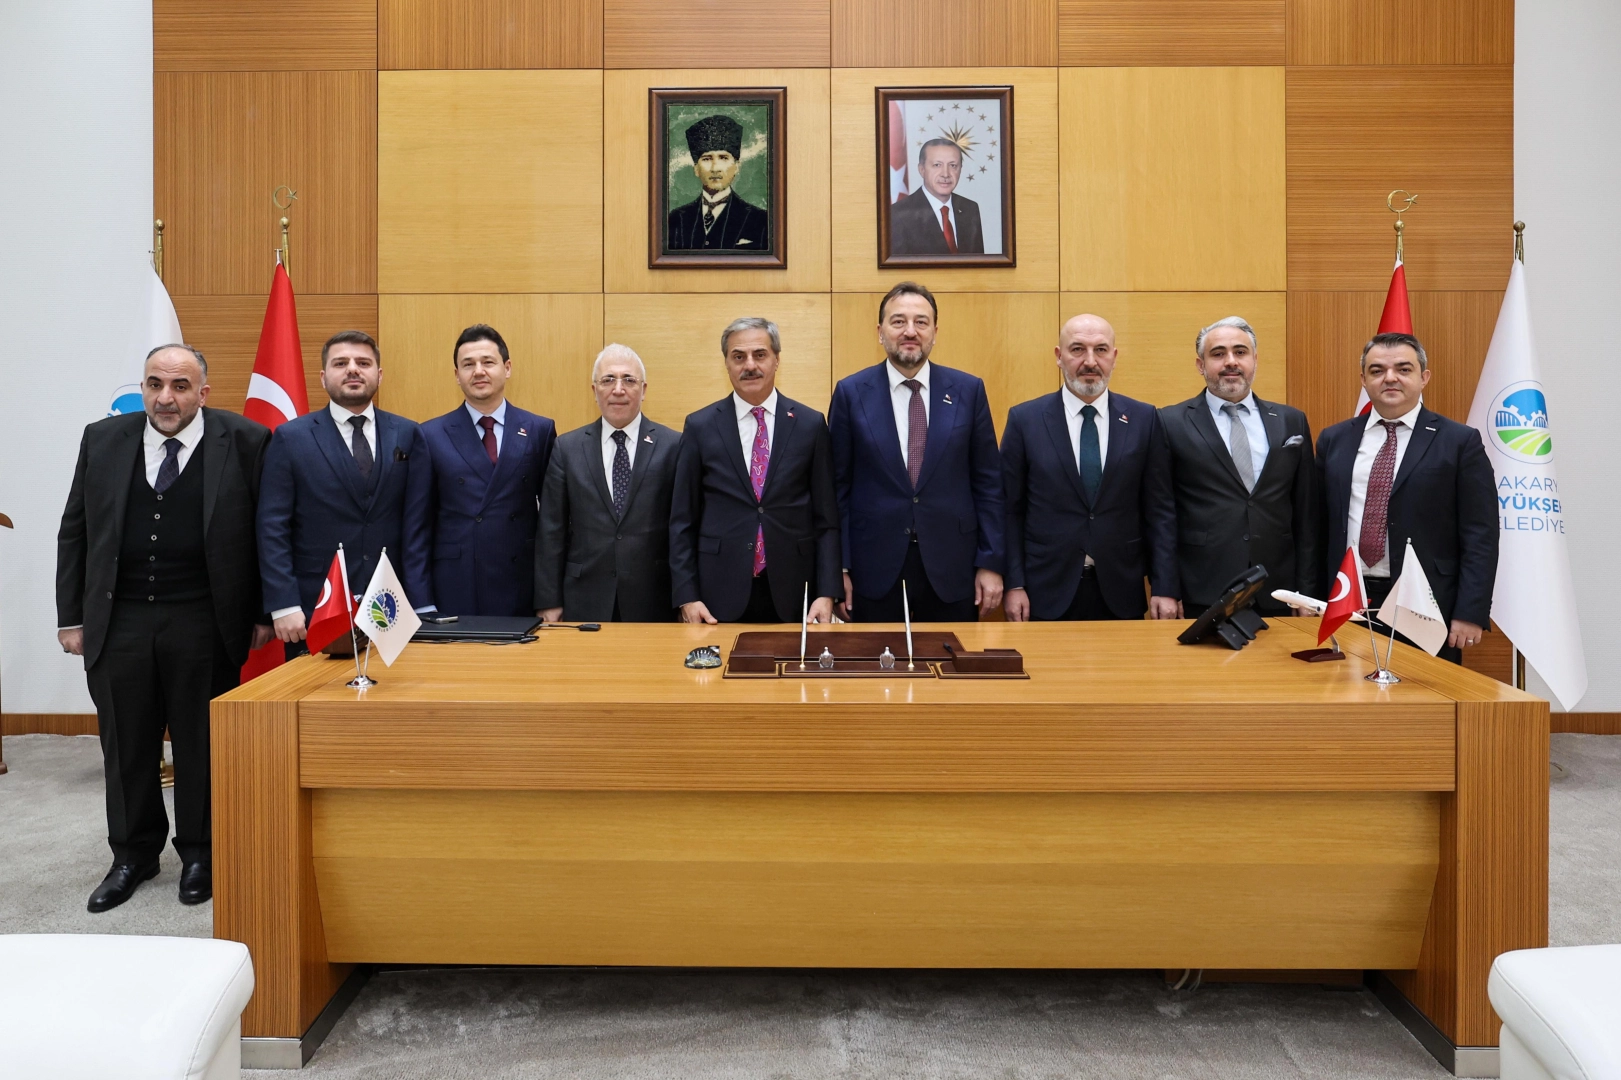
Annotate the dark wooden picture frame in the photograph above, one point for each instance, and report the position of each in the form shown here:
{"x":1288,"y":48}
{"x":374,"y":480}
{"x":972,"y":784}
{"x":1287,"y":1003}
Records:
{"x":750,"y":244}
{"x":985,"y":149}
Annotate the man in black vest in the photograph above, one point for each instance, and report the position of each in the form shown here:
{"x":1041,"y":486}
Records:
{"x":157,"y":587}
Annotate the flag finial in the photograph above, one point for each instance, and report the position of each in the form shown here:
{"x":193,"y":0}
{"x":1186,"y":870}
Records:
{"x":1519,"y":241}
{"x":1408,"y":200}
{"x":284,"y":254}
{"x":157,"y":247}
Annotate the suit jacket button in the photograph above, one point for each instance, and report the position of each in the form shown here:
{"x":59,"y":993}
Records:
{"x":619,"y":536}
{"x":461,"y":480}
{"x":908,"y":532}
{"x":1246,"y":536}
{"x":914,"y":498}
{"x":478,"y":519}
{"x":109,"y":596}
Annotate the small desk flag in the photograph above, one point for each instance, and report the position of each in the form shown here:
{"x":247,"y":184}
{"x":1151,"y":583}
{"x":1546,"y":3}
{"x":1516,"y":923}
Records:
{"x":385,"y":614}
{"x":1411,"y":610}
{"x":1346,"y":598}
{"x":335,"y":611}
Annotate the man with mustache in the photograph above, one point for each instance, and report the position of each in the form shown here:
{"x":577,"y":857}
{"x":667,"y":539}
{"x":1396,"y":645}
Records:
{"x":349,"y":473}
{"x":753,"y":518}
{"x":719,"y":217}
{"x":157,"y":587}
{"x":919,"y":477}
{"x":489,"y":459}
{"x":1088,"y":479}
{"x":1244,"y":477}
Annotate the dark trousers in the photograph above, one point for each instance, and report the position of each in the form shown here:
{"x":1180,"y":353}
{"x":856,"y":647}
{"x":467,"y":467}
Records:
{"x":161,"y":665}
{"x":926,"y":606}
{"x":1088,"y":605}
{"x":1378,"y":589}
{"x":761,"y":609}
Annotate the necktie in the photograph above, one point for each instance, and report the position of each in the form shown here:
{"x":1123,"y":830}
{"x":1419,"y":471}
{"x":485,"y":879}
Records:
{"x":1091,"y":456}
{"x":945,"y":226}
{"x":917,"y":430}
{"x":1238,"y":444}
{"x":621,"y":474}
{"x":758,"y":461}
{"x":712,"y":210}
{"x":488,"y":424}
{"x":1376,"y":506}
{"x":358,"y":444}
{"x":169,"y":470}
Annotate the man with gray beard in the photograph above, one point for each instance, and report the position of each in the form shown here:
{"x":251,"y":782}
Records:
{"x":1087,"y":476}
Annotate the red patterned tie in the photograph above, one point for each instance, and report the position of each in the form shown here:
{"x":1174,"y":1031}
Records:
{"x":758,"y":461}
{"x":917,"y":430}
{"x":951,"y":234}
{"x":488,"y":424}
{"x":1376,"y":507}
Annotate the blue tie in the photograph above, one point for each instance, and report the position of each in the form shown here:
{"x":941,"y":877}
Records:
{"x":1091,"y":461}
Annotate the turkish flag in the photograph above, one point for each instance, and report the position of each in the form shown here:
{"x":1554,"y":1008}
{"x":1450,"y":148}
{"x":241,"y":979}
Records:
{"x":1345,"y":599}
{"x":335,"y":610}
{"x":1397,"y":318}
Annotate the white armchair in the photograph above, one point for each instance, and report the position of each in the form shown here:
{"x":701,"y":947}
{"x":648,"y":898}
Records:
{"x":1561,"y":1012}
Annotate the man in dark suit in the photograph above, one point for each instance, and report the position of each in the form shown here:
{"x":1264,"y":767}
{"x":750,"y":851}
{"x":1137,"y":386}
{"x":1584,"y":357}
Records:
{"x":347,"y":474}
{"x":604,"y":548}
{"x":919,"y":477}
{"x":718,"y":218}
{"x":753,"y":518}
{"x":934,"y":220}
{"x":1088,"y":481}
{"x":1244,"y":476}
{"x":157,"y":587}
{"x":1404,"y":472}
{"x":489,"y":458}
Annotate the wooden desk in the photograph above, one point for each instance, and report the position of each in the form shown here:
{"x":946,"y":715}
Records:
{"x":585,"y":799}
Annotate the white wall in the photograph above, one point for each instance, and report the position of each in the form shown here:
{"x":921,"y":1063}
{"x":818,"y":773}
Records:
{"x":1567,"y":189}
{"x":76,"y":162}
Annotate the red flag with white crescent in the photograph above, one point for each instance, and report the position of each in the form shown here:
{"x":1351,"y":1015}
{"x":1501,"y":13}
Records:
{"x":1345,"y":598}
{"x":1396,"y":318}
{"x":335,"y":610}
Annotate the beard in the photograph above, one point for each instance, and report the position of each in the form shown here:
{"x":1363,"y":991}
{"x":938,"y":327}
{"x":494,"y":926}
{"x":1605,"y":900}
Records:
{"x":1085,"y":385}
{"x":895,"y":357}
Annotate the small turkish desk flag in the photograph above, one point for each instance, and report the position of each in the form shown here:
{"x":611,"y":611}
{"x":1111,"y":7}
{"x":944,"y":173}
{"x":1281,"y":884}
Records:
{"x":1345,"y":599}
{"x":335,"y":612}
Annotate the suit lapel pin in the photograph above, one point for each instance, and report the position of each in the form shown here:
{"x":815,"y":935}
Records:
{"x":1124,"y":419}
{"x":647,"y":439}
{"x":790,"y":413}
{"x":946,"y":398}
{"x":523,"y":432}
{"x":1428,"y":428}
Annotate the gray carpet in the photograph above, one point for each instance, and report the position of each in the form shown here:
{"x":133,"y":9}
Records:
{"x":537,"y":1023}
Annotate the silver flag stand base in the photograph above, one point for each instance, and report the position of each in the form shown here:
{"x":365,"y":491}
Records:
{"x":1382,"y":677}
{"x":360,"y":682}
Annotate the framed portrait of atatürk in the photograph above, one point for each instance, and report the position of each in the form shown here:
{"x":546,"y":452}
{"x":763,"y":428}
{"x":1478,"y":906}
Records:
{"x":945,"y":176}
{"x":718,"y":196}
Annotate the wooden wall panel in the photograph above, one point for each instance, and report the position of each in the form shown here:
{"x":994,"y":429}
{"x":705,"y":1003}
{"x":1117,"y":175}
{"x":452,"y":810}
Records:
{"x":223,"y":141}
{"x":1327,"y":331}
{"x":226,"y":329}
{"x":1188,"y":33}
{"x":654,"y":33}
{"x":49,"y":724}
{"x":945,"y":33}
{"x":1586,"y":723}
{"x":250,"y":35}
{"x":855,"y":211}
{"x":489,"y":33}
{"x":1401,"y":32}
{"x":1155,"y":333}
{"x":1173,"y":179}
{"x":1005,"y":338}
{"x":809,"y":185}
{"x":489,"y":181}
{"x":1354,"y":134}
{"x":552,"y":338}
{"x":678,"y":338}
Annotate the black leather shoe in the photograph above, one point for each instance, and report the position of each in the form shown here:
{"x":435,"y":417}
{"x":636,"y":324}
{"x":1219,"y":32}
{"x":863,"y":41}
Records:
{"x":120,"y":884}
{"x":196,"y":883}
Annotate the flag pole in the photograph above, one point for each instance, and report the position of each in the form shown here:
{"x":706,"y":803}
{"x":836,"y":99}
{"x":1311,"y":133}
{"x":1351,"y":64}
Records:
{"x":157,"y":247}
{"x":1381,"y":673}
{"x":1516,"y":657}
{"x":285,"y":252}
{"x":360,"y":681}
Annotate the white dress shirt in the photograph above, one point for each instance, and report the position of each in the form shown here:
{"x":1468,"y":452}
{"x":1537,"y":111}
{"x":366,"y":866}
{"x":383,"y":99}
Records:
{"x":746,"y":425}
{"x":346,"y":431}
{"x":500,"y":415}
{"x":152,"y":441}
{"x":631,"y":430}
{"x":1373,"y":437}
{"x":900,"y":397}
{"x":1253,"y":427}
{"x":1072,"y":415}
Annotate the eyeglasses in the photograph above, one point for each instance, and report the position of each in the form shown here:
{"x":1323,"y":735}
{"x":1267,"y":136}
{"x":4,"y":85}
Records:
{"x":630,"y":382}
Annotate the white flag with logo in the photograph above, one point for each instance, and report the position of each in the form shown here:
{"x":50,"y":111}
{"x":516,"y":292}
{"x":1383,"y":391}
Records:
{"x":385,"y":615}
{"x":1534,"y":602}
{"x":1411,"y":610}
{"x":162,"y":328}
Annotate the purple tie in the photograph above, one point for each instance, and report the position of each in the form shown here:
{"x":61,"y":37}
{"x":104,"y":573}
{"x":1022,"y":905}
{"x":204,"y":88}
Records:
{"x":917,"y":430}
{"x":758,"y":461}
{"x":1376,"y":506}
{"x":488,"y":424}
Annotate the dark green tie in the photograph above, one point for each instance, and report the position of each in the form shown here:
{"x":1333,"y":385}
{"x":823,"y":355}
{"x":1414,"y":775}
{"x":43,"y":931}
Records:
{"x":1091,"y":459}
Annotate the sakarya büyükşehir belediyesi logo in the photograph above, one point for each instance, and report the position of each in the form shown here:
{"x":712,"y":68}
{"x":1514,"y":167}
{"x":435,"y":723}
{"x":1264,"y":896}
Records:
{"x":1520,"y":419}
{"x":385,"y":608}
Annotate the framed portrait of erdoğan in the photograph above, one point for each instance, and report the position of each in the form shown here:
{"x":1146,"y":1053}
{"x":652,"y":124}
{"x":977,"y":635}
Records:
{"x":718,"y":185}
{"x":945,"y":176}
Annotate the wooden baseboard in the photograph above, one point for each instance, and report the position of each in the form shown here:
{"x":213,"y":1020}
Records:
{"x":1586,"y":723}
{"x":13,"y":723}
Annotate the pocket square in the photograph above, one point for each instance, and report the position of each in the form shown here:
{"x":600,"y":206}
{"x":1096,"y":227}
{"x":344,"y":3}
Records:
{"x":1294,"y":440}
{"x":401,"y":455}
{"x":742,"y":240}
